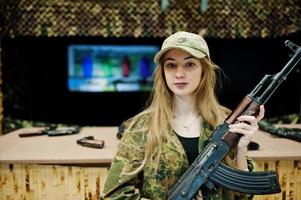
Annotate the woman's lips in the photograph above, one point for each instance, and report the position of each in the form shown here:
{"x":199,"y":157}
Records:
{"x":180,"y":85}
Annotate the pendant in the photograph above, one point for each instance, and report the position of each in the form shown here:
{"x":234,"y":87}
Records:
{"x":186,"y":128}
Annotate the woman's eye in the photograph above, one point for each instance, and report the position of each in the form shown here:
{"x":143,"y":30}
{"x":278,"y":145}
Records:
{"x":190,"y":64}
{"x":170,"y":65}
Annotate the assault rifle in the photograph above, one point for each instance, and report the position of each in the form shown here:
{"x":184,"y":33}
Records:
{"x":207,"y":169}
{"x":283,"y":132}
{"x":53,"y":130}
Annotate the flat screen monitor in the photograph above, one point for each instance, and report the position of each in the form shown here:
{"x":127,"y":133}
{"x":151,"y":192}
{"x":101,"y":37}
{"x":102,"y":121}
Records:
{"x":110,"y":68}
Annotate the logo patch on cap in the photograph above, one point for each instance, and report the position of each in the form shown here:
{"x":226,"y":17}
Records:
{"x":181,"y":40}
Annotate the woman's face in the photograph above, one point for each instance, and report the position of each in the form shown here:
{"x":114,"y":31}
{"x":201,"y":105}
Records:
{"x":182,"y":72}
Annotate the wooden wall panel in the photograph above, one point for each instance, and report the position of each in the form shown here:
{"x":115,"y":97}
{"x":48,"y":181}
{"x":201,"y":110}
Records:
{"x":43,"y":182}
{"x":289,"y":174}
{"x":48,"y":182}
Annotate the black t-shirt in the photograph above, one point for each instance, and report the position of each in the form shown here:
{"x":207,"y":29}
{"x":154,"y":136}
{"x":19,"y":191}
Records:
{"x":190,"y":146}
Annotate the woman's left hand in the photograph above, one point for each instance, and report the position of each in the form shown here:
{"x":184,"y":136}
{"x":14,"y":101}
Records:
{"x":248,"y":127}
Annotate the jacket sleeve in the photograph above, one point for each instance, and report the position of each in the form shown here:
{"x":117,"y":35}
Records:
{"x":130,"y":154}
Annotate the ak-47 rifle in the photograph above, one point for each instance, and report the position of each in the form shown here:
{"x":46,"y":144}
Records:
{"x":283,"y":132}
{"x":208,"y":168}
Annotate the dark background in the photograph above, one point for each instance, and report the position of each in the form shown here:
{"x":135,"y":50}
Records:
{"x":35,"y":79}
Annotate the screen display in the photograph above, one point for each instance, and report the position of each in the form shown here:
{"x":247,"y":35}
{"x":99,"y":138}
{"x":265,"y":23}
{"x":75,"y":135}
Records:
{"x":110,"y":68}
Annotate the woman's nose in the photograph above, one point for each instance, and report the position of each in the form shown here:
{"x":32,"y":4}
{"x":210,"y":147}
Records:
{"x":180,"y":72}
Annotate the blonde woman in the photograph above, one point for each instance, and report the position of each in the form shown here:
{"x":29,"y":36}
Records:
{"x":160,"y":142}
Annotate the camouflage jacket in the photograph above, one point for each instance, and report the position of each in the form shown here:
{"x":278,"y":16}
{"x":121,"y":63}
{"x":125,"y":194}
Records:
{"x":149,"y":184}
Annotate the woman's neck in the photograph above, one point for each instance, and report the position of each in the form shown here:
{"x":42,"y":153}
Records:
{"x":186,"y":120}
{"x":185,"y":106}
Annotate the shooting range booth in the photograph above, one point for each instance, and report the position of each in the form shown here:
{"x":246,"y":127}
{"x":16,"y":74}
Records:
{"x":46,"y":45}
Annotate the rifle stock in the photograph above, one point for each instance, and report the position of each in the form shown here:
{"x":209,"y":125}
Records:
{"x":208,"y":168}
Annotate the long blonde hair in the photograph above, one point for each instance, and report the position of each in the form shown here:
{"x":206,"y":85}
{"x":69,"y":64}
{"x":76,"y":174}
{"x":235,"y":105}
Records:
{"x":160,"y":107}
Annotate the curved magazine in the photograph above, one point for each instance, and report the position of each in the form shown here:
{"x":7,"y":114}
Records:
{"x":264,"y":182}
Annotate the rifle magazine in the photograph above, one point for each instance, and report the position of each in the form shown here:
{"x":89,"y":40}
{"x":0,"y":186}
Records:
{"x":258,"y":183}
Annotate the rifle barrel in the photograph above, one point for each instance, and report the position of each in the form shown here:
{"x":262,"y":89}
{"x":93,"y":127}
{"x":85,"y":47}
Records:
{"x":281,"y":76}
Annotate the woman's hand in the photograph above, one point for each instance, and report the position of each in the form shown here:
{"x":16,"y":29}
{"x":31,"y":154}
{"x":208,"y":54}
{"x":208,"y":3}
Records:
{"x":198,"y":196}
{"x":248,"y":127}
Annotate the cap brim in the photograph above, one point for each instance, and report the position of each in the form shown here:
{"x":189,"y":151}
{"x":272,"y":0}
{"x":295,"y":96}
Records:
{"x":193,"y":52}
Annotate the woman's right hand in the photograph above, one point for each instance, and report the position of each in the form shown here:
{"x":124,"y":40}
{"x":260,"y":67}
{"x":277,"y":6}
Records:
{"x":198,"y":196}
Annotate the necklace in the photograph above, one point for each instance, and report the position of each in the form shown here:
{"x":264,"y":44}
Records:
{"x":186,"y":127}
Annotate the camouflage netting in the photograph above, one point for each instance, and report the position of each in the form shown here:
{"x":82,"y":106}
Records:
{"x":221,"y":19}
{"x":147,"y":19}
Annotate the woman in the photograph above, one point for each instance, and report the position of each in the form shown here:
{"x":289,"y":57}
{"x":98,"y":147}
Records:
{"x":159,"y":143}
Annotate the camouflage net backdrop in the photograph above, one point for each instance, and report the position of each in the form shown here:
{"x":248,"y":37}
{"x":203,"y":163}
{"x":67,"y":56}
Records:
{"x":145,"y":19}
{"x":221,"y":19}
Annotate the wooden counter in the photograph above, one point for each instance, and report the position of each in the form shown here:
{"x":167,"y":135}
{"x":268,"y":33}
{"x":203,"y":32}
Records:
{"x":44,"y":167}
{"x":283,"y":156}
{"x":64,"y":150}
{"x":58,"y":149}
{"x":275,"y":148}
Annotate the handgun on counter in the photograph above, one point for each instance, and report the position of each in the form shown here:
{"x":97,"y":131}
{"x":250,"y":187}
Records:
{"x":53,"y":130}
{"x":89,"y":141}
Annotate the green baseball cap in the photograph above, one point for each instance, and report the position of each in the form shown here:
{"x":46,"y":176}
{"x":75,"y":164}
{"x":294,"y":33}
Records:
{"x":192,"y":43}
